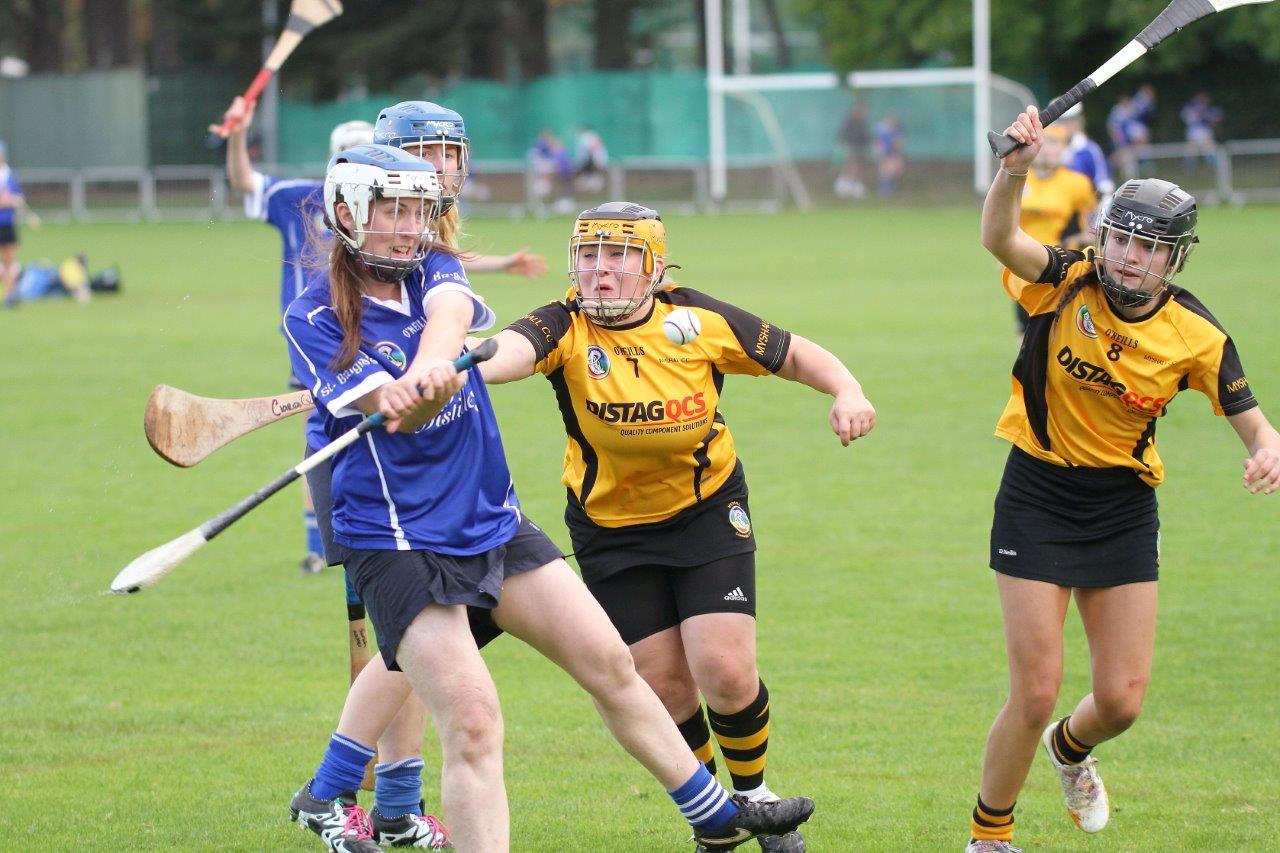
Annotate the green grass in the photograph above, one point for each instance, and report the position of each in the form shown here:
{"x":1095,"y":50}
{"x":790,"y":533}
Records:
{"x":184,"y":718}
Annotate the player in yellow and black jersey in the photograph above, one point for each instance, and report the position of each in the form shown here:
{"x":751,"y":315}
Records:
{"x":1111,"y":341}
{"x":657,"y":501}
{"x":1058,"y":204}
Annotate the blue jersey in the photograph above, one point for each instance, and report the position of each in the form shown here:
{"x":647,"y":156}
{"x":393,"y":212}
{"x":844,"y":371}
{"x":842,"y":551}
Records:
{"x":289,"y":205}
{"x":9,"y":184}
{"x":1085,"y":156}
{"x":444,"y":488}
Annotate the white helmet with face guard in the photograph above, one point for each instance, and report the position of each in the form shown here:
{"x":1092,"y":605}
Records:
{"x":614,"y":225}
{"x":349,"y":134}
{"x":359,"y":177}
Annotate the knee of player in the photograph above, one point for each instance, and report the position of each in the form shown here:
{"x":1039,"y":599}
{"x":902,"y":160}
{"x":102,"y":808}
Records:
{"x":1034,"y":702}
{"x":1119,"y":708}
{"x":730,"y":683}
{"x":474,"y":729}
{"x":676,"y":689}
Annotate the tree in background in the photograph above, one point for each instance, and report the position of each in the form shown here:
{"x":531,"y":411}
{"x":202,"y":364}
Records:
{"x":1053,"y":46}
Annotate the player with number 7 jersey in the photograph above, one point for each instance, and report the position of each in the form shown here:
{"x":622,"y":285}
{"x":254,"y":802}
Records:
{"x":657,"y":499}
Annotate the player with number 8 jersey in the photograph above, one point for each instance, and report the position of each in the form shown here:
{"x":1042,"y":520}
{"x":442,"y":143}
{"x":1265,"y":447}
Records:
{"x":1110,"y":342}
{"x":657,"y":499}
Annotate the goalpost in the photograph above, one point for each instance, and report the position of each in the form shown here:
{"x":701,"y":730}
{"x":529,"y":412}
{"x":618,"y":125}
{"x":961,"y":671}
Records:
{"x":744,"y":86}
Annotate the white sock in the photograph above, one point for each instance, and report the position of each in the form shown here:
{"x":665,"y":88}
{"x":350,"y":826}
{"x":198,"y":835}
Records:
{"x":759,"y":795}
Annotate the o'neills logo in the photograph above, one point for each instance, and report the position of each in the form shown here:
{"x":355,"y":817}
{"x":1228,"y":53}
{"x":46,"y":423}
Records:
{"x":652,"y":411}
{"x":597,"y":362}
{"x":1093,"y":374}
{"x":1084,"y":322}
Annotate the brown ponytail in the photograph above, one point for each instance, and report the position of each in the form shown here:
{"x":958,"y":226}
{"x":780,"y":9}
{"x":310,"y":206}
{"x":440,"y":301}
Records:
{"x":348,"y":306}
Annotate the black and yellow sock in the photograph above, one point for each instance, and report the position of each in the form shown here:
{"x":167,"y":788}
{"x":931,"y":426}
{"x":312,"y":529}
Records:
{"x":990,"y":824}
{"x":695,"y":733}
{"x":744,"y":740}
{"x":1066,"y":747}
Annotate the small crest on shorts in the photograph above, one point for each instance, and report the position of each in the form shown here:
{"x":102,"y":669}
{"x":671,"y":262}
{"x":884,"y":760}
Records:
{"x":739,"y":519}
{"x":597,"y":362}
{"x":391,"y":351}
{"x":1084,"y":322}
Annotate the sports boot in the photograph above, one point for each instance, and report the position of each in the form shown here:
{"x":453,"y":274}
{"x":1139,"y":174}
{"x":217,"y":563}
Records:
{"x":410,"y":830}
{"x":341,"y":824}
{"x":779,"y":817}
{"x":1081,"y":788}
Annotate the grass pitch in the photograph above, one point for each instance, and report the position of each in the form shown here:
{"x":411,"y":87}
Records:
{"x":185,"y":717}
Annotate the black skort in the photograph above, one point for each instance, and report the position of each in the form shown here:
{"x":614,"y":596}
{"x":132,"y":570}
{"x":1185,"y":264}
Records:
{"x":1074,"y":527}
{"x":8,"y":235}
{"x":396,"y":586}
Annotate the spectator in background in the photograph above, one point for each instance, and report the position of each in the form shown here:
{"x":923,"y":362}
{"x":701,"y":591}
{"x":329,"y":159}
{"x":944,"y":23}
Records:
{"x":1085,"y":156}
{"x":591,"y":158}
{"x":889,"y":157}
{"x":1200,"y":117}
{"x":1128,"y":136}
{"x":11,"y":202}
{"x":553,"y":171}
{"x":854,"y":137}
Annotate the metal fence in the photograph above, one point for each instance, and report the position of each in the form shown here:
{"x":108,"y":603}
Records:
{"x":1236,"y":172}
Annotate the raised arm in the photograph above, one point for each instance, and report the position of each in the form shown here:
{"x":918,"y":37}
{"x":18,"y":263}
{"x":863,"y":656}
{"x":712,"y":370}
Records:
{"x":1002,"y":235}
{"x":1262,"y":468}
{"x":852,"y":415}
{"x":239,"y":166}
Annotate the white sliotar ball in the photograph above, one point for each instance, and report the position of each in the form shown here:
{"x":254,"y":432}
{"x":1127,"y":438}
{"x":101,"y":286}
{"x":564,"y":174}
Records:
{"x":682,"y":326}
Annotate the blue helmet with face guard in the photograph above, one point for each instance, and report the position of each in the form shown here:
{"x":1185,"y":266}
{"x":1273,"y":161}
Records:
{"x":359,"y":178}
{"x":429,"y":130}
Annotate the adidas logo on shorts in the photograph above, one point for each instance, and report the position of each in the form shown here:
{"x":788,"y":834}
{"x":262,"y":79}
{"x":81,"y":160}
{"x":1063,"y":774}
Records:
{"x":736,"y":595}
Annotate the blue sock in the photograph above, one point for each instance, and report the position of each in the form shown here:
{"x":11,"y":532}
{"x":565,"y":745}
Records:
{"x":704,"y":802}
{"x":315,"y":545}
{"x":398,"y":788}
{"x":342,"y":767}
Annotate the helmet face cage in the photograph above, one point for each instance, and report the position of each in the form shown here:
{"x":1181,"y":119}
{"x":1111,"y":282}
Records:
{"x":1110,"y":230}
{"x":361,"y":187}
{"x":610,"y":311}
{"x":451,"y":181}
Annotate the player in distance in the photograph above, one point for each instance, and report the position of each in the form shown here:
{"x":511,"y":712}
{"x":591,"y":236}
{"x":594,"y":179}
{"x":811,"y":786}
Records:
{"x":1110,"y":342}
{"x":657,"y":499}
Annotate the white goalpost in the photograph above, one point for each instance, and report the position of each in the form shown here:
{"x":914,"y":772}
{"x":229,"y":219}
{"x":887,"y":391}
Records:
{"x":742,"y":85}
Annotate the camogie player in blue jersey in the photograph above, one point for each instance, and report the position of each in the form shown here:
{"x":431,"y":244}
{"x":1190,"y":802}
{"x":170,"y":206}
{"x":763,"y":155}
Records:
{"x":294,"y":207}
{"x":429,"y":525}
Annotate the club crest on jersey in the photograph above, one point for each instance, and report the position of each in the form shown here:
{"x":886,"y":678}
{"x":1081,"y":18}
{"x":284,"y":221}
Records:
{"x":392,"y":352}
{"x":597,"y":362}
{"x":740,"y":520}
{"x":1084,"y":322}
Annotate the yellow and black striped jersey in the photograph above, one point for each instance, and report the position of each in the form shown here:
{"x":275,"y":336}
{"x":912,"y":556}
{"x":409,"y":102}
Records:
{"x":646,"y":437}
{"x":1056,"y":206}
{"x":1087,"y":389}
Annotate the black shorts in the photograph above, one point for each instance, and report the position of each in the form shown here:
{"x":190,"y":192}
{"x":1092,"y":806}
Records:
{"x":398,"y":585}
{"x":717,"y":527}
{"x":643,"y":600}
{"x":8,"y":234}
{"x":1074,"y":527}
